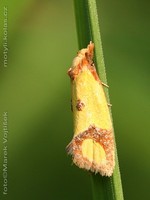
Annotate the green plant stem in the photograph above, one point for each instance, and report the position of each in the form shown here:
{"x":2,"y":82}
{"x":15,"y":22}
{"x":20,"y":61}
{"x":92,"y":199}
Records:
{"x":104,"y":188}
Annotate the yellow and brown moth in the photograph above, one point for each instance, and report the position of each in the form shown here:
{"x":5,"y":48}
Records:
{"x":92,"y":147}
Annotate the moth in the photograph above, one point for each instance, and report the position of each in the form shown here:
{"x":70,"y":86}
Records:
{"x":92,"y":147}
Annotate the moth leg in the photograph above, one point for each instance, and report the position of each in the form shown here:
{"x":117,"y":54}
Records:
{"x":109,"y":104}
{"x":104,"y":84}
{"x":71,"y":106}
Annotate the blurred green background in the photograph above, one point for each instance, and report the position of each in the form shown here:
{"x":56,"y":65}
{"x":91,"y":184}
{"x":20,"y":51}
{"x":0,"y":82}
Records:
{"x":35,"y":91}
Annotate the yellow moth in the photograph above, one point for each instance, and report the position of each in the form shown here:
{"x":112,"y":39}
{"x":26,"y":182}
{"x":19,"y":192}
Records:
{"x":92,"y":147}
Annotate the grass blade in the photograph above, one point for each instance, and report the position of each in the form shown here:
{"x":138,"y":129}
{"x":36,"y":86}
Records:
{"x":104,"y":188}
